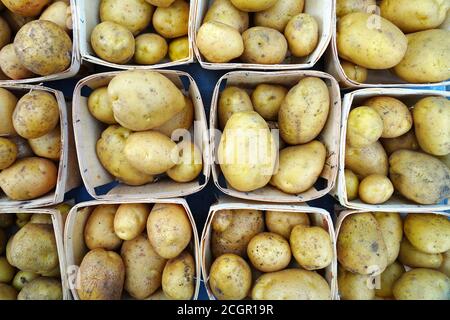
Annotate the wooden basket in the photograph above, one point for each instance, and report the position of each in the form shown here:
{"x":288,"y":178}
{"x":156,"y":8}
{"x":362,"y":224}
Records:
{"x":76,"y":249}
{"x":88,"y":130}
{"x":329,"y":135}
{"x":321,"y":10}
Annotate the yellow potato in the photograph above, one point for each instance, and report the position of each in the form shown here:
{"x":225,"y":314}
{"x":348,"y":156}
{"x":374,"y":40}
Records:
{"x":26,"y":8}
{"x":178,"y":278}
{"x":445,"y":266}
{"x":7,"y":271}
{"x":269,"y":252}
{"x":311,"y":247}
{"x":422,"y":284}
{"x":299,"y":167}
{"x":8,"y":153}
{"x":169,"y":229}
{"x":57,"y":12}
{"x":367,"y":160}
{"x":291,"y":284}
{"x":100,"y":106}
{"x":190,"y":163}
{"x":42,"y":288}
{"x":351,"y":184}
{"x":388,"y":278}
{"x":41,"y":218}
{"x":353,"y":286}
{"x":130,"y":220}
{"x":36,"y":114}
{"x":414,"y":258}
{"x":172,"y":21}
{"x":391,"y":226}
{"x":375,"y":189}
{"x":223,"y":11}
{"x":182,"y":120}
{"x":5,"y":33}
{"x":99,"y":228}
{"x":49,"y":145}
{"x":304,"y":111}
{"x":8,"y":102}
{"x":354,"y":72}
{"x":431,"y":125}
{"x":230,"y":278}
{"x":28,"y":178}
{"x":278,"y":15}
{"x":407,"y":141}
{"x":179,"y":49}
{"x":364,"y":127}
{"x":267,"y":100}
{"x":160,"y":3}
{"x":135,"y":15}
{"x":263,"y":46}
{"x":344,"y":7}
{"x":253,"y":5}
{"x":302,"y":34}
{"x":385,"y":50}
{"x":151,"y":48}
{"x":232,"y":100}
{"x":7,"y":292}
{"x":282,"y":222}
{"x":113,"y":42}
{"x":11,"y":65}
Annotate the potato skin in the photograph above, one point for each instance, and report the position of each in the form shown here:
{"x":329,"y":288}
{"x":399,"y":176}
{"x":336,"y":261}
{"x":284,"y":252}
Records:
{"x":8,"y":153}
{"x":375,"y":189}
{"x":291,"y":284}
{"x":419,"y":177}
{"x":282,"y":222}
{"x":422,"y":284}
{"x":253,"y":5}
{"x":267,"y":100}
{"x":407,"y":141}
{"x":8,"y":102}
{"x":230,"y":277}
{"x":354,"y":72}
{"x":304,"y":111}
{"x":42,"y":288}
{"x":58,"y":12}
{"x":99,"y":228}
{"x":232,"y":100}
{"x":28,"y":178}
{"x":178,"y":277}
{"x":388,"y":278}
{"x":5,"y":33}
{"x":367,"y":160}
{"x":344,"y":7}
{"x":431,"y":123}
{"x":26,"y":8}
{"x":130,"y":220}
{"x":135,"y":15}
{"x":445,"y":266}
{"x":100,"y":106}
{"x":415,"y":258}
{"x":302,"y":34}
{"x":364,"y":127}
{"x":223,"y":11}
{"x":351,"y":184}
{"x":278,"y":15}
{"x":101,"y":276}
{"x":353,"y":286}
{"x":190,"y":163}
{"x":49,"y":145}
{"x":11,"y":65}
{"x":172,"y":21}
{"x":151,"y":48}
{"x":391,"y":226}
{"x":7,"y":292}
{"x":263,"y":46}
{"x":269,"y":252}
{"x":179,"y":49}
{"x":182,"y":120}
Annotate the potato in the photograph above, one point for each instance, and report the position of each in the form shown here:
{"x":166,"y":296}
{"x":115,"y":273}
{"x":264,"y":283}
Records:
{"x":7,"y":271}
{"x":353,"y":286}
{"x":113,"y":42}
{"x":15,"y":21}
{"x":311,"y":247}
{"x":190,"y":163}
{"x":422,"y":284}
{"x":230,"y":277}
{"x":160,"y":3}
{"x":263,"y":46}
{"x":110,"y":153}
{"x":445,"y":266}
{"x":151,"y":48}
{"x":282,"y":223}
{"x":388,"y":278}
{"x":26,"y":8}
{"x":232,"y":100}
{"x":100,"y":106}
{"x":427,"y":232}
{"x":179,"y":49}
{"x":354,"y":72}
{"x":211,"y":45}
{"x":41,"y":218}
{"x":431,"y":123}
{"x":128,"y":91}
{"x":360,"y":245}
{"x":49,"y":145}
{"x":182,"y":120}
{"x":385,"y":50}
{"x":414,"y":258}
{"x":130,"y":220}
{"x":269,"y":252}
{"x":135,"y":15}
{"x":351,"y":184}
{"x":150,"y":152}
{"x":344,"y":7}
{"x":232,"y":230}
{"x":302,"y":34}
{"x":5,"y":33}
{"x":407,"y":141}
{"x":143,"y":267}
{"x":172,"y":22}
{"x":304,"y":111}
{"x":299,"y":167}
{"x":224,"y":12}
{"x":367,"y":160}
{"x":178,"y":278}
{"x":253,"y":5}
{"x":8,"y":153}
{"x":28,"y":178}
{"x":391,"y":226}
{"x":375,"y":189}
{"x":11,"y":65}
{"x":100,"y":276}
{"x":364,"y":127}
{"x":267,"y":100}
{"x":291,"y":284}
{"x":57,"y":12}
{"x":419,"y":177}
{"x":426,"y":59}
{"x":34,"y":249}
{"x":99,"y":228}
{"x":7,"y":292}
{"x":36,"y":114}
{"x":8,"y":102}
{"x":416,"y":15}
{"x":42,"y":288}
{"x":397,"y":119}
{"x":169,"y":229}
{"x":278,"y":15}
{"x":158,"y":295}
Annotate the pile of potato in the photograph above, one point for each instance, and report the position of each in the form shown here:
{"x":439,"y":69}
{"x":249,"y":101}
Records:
{"x":417,"y":143}
{"x":251,"y":262}
{"x":30,"y":269}
{"x":406,"y":39}
{"x":248,"y":154}
{"x":138,"y":248}
{"x":30,"y":146}
{"x":35,"y":38}
{"x":137,"y":145}
{"x":125,"y":32}
{"x":280,"y":29}
{"x":383,"y":256}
